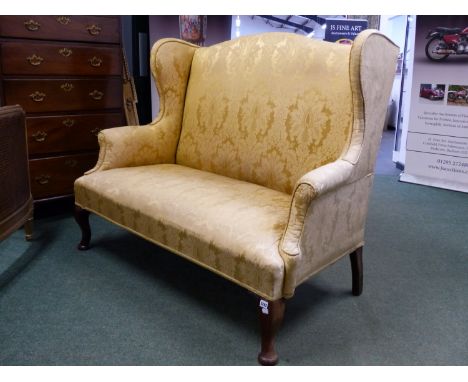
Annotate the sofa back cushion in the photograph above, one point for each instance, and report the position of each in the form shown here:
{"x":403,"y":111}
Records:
{"x":267,"y":108}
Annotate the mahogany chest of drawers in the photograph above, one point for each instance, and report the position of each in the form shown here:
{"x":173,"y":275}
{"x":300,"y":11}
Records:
{"x":66,"y":73}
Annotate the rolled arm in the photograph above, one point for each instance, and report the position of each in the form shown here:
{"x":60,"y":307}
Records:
{"x":329,"y":204}
{"x":309,"y":187}
{"x":128,"y":146}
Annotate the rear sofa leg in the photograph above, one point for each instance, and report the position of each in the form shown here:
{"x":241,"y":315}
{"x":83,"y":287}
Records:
{"x":82,"y":218}
{"x":28,"y":228}
{"x":357,"y":271}
{"x":271,"y":315}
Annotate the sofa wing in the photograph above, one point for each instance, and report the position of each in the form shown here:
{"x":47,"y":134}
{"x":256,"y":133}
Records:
{"x":155,"y":143}
{"x":329,"y":204}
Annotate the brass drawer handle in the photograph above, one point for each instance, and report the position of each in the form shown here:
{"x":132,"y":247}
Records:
{"x":68,"y":122}
{"x":42,"y":179}
{"x":96,"y":94}
{"x":64,"y":20}
{"x":93,"y":30}
{"x":96,"y":131}
{"x":95,"y":61}
{"x":71,"y":162}
{"x":65,"y":52}
{"x":39,"y":136}
{"x":35,"y":60}
{"x":37,"y":96}
{"x":32,"y":25}
{"x":67,"y":87}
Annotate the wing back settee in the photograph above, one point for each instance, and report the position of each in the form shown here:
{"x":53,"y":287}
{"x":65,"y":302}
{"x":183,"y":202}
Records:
{"x":259,"y":165}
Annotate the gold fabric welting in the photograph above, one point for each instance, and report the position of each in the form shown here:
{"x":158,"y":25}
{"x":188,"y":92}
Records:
{"x":266,"y":109}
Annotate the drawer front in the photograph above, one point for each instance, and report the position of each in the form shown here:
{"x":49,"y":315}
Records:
{"x":63,"y":95}
{"x":58,"y":134}
{"x":55,"y":176}
{"x":63,"y":28}
{"x":60,"y":59}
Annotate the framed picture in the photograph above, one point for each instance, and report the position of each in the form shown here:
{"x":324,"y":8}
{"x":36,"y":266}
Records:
{"x":193,"y":29}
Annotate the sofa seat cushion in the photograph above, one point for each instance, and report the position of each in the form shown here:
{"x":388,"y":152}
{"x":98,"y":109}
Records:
{"x":226,"y":225}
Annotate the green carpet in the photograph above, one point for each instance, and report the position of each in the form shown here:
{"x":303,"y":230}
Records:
{"x":128,"y":302}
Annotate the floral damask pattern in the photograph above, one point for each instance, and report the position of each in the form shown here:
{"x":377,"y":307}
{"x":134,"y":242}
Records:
{"x":266,"y":109}
{"x":229,"y":226}
{"x":157,"y":142}
{"x":329,"y":205}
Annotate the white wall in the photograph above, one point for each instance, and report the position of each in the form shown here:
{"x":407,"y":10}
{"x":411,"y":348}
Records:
{"x":251,"y":26}
{"x":257,"y":25}
{"x":400,"y":156}
{"x":394,"y":27}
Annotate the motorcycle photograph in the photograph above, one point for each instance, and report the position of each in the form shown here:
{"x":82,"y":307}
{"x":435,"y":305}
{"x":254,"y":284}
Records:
{"x":444,"y":42}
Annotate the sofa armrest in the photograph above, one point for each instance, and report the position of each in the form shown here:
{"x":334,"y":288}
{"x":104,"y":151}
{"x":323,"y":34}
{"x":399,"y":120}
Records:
{"x":129,"y":146}
{"x":309,"y":187}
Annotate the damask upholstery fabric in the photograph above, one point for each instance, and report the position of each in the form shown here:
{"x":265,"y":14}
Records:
{"x":229,"y":226}
{"x":157,"y":142}
{"x":373,"y":61}
{"x":259,"y":165}
{"x":267,"y":108}
{"x":372,"y":68}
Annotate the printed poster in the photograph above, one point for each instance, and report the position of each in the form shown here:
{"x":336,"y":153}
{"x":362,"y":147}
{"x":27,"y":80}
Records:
{"x":344,"y":31}
{"x":437,"y":143}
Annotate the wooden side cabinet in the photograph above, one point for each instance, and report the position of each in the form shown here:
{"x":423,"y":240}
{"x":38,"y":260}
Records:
{"x":16,"y":205}
{"x":66,"y":73}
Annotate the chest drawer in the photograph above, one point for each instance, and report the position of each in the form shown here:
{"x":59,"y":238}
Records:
{"x":59,"y":59}
{"x":55,"y":176}
{"x":63,"y":95}
{"x":69,"y":132}
{"x":72,"y":28}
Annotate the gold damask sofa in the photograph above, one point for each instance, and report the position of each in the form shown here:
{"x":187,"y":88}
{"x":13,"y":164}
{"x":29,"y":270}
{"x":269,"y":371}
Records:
{"x":259,"y":165}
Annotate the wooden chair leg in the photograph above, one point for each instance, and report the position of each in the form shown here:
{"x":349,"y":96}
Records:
{"x":82,"y":218}
{"x":357,"y":271}
{"x":271,"y":315}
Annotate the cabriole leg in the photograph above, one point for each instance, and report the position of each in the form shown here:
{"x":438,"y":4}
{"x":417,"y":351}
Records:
{"x":356,"y":269}
{"x":82,"y":218}
{"x":271,"y":315}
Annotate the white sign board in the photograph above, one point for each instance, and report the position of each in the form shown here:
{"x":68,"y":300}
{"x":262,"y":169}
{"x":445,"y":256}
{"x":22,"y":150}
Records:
{"x":437,"y":142}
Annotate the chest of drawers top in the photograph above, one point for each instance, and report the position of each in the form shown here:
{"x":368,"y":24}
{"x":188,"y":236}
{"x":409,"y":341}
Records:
{"x":103,"y":29}
{"x":61,"y":63}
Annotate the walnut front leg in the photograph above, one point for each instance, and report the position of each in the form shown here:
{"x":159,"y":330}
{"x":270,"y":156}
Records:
{"x":357,"y":271}
{"x":271,"y":315}
{"x":82,"y":218}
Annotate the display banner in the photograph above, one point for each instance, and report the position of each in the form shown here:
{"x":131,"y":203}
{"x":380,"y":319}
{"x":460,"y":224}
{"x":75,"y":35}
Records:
{"x":344,"y":31}
{"x":437,"y":142}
